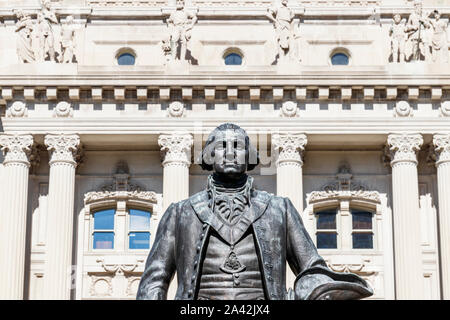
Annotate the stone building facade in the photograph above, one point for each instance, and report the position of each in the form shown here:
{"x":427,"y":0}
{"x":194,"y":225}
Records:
{"x":105,"y":106}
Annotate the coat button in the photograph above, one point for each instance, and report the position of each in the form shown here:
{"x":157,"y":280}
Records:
{"x":198,"y":249}
{"x":205,"y":225}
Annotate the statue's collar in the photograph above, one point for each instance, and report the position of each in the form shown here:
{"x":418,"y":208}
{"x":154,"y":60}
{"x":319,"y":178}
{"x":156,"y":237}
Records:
{"x":258,"y":204}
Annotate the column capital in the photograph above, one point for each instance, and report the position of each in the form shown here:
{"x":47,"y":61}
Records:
{"x":441,"y":144}
{"x":403,"y":147}
{"x":16,"y":148}
{"x":290,"y":147}
{"x":176,"y":148}
{"x":62,"y":148}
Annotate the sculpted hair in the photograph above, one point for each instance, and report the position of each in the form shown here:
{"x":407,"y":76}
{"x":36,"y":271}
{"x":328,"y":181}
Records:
{"x":207,"y":160}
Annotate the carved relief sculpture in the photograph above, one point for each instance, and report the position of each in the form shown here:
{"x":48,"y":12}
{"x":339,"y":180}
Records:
{"x":180,"y":24}
{"x":439,"y":45}
{"x":283,"y":20}
{"x":398,"y":39}
{"x":24,"y":29}
{"x":47,"y":20}
{"x":417,"y":34}
{"x":231,"y":241}
{"x":68,"y":41}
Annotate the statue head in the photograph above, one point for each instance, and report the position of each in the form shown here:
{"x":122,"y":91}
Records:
{"x":437,"y":15}
{"x":180,"y":5}
{"x":418,"y":6}
{"x":228,"y":151}
{"x":69,"y":19}
{"x":284,"y":3}
{"x":397,"y":18}
{"x":46,"y":4}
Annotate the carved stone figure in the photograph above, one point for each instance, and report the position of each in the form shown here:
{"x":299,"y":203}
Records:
{"x":180,"y":25}
{"x":24,"y":29}
{"x":232,"y":241}
{"x":439,"y":45}
{"x":398,"y":39}
{"x":45,"y":26}
{"x":417,"y":28}
{"x":283,"y":20}
{"x":68,"y":41}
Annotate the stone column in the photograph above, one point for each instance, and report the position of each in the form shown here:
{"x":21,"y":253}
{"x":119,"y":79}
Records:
{"x":177,"y":159}
{"x":176,"y":149}
{"x":441,"y":144}
{"x":289,"y":166}
{"x":62,"y":149}
{"x":405,"y":192}
{"x":290,"y":147}
{"x":13,"y":214}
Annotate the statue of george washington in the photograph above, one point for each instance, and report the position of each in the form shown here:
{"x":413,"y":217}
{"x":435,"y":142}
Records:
{"x":231,"y":241}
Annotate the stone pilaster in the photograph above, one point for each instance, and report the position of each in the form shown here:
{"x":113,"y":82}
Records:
{"x":441,"y":144}
{"x":405,"y":192}
{"x":176,"y":149}
{"x":290,"y":147}
{"x":13,"y":213}
{"x":62,"y":149}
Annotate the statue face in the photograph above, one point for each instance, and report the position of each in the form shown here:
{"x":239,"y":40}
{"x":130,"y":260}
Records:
{"x":230,"y":153}
{"x":397,"y":18}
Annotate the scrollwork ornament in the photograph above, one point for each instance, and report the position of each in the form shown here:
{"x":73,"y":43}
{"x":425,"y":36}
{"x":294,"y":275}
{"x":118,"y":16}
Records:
{"x":441,"y":144}
{"x":403,"y":147}
{"x":17,"y":109}
{"x":62,"y":147}
{"x":176,"y":148}
{"x":176,"y":109}
{"x":289,"y":109}
{"x":63,"y":109}
{"x":290,"y":147}
{"x":16,"y":148}
{"x":445,"y":109}
{"x":403,"y":109}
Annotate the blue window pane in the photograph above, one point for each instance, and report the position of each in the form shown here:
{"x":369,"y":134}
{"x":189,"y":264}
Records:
{"x":339,"y":59}
{"x":362,"y":241}
{"x":103,"y":240}
{"x":362,"y":220}
{"x":139,"y":240}
{"x":326,"y":240}
{"x":326,"y":220}
{"x":104,"y":220}
{"x":139,"y":220}
{"x":126,"y":59}
{"x":233,"y":59}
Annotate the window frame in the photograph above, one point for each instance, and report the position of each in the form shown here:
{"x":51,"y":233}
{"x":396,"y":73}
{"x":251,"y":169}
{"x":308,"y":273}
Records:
{"x":336,"y":230}
{"x":234,"y":50}
{"x":93,"y":230}
{"x":339,"y":50}
{"x":128,"y":229}
{"x":360,"y":231}
{"x":125,"y":50}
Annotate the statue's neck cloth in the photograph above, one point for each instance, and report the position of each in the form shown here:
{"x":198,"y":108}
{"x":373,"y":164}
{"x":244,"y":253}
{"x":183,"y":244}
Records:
{"x":230,"y":201}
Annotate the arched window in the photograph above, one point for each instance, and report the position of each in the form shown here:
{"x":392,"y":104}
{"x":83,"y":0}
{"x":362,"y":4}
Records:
{"x":103,"y":233}
{"x":126,"y":59}
{"x":233,"y":59}
{"x":139,"y":229}
{"x":340,"y":57}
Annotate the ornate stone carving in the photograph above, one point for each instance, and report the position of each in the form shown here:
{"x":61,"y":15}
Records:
{"x":439,"y":44}
{"x":289,"y":109}
{"x":417,"y":29}
{"x":445,"y":108}
{"x":441,"y":144}
{"x":46,"y":22}
{"x":121,"y":189}
{"x":101,"y":286}
{"x":63,"y":109}
{"x":176,"y":109}
{"x":62,"y":147}
{"x":344,"y":188}
{"x":403,"y":147}
{"x":398,"y":39}
{"x":16,"y":148}
{"x":24,"y":30}
{"x":176,"y":148}
{"x":120,"y":268}
{"x":290,"y":147}
{"x":127,"y":3}
{"x":180,"y":24}
{"x":283,"y":20}
{"x":17,"y":109}
{"x":68,"y":41}
{"x":403,"y":109}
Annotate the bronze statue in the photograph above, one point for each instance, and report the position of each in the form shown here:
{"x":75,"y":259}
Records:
{"x":232,"y":241}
